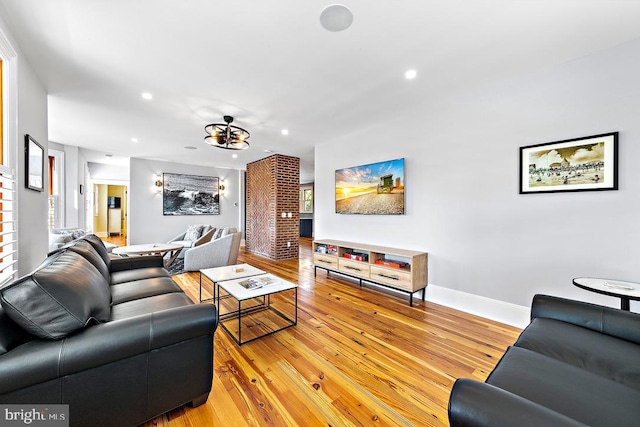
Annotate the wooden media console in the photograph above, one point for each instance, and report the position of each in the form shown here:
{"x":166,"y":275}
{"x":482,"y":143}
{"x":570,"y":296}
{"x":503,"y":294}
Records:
{"x":400,"y":269}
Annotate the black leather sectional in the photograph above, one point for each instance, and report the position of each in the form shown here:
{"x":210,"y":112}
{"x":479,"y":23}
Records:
{"x":116,"y":339}
{"x":575,"y":364}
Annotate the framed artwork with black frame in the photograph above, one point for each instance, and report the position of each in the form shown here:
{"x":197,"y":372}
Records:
{"x":33,"y":164}
{"x":589,"y":163}
{"x":190,"y":194}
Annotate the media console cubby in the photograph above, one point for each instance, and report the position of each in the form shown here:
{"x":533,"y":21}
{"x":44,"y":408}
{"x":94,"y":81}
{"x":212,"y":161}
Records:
{"x":400,"y":269}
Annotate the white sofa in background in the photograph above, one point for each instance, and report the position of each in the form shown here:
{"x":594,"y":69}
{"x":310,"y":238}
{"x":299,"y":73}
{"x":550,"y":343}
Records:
{"x":194,"y":235}
{"x":218,"y":252}
{"x":58,"y":237}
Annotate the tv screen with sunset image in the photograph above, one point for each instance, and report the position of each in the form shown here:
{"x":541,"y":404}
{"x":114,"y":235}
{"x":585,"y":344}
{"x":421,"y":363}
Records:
{"x":373,"y":189}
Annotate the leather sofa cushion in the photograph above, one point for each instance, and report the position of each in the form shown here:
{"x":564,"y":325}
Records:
{"x":596,"y":352}
{"x":124,"y":276}
{"x":64,"y":294}
{"x":574,"y":392}
{"x":137,"y":289}
{"x":148,"y":305}
{"x":86,"y":249}
{"x":11,"y":335}
{"x":99,"y":246}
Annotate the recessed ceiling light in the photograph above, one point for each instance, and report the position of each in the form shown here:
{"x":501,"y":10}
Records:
{"x":135,"y":140}
{"x":190,"y":147}
{"x":268,"y":151}
{"x":235,"y":156}
{"x":411,"y":74}
{"x":285,"y":131}
{"x":147,"y":96}
{"x":336,"y":17}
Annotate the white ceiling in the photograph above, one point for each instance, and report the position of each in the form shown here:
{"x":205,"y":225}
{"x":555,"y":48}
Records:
{"x":271,"y":65}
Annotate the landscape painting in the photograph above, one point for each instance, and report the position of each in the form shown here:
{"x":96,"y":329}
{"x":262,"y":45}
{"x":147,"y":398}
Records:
{"x":190,"y":195}
{"x":580,"y":164}
{"x":373,"y":189}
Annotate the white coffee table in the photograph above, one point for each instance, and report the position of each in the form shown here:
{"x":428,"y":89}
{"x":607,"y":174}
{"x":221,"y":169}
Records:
{"x":229,"y":272}
{"x":173,"y":249}
{"x":266,"y":309}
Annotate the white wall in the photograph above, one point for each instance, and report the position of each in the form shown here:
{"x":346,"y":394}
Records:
{"x":112,"y":173}
{"x":462,"y":201}
{"x":147,"y":224}
{"x":32,"y":205}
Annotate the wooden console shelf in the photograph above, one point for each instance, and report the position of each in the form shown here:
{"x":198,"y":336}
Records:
{"x":400,"y":269}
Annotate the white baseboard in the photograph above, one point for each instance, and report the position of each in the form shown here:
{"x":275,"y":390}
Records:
{"x":500,"y":311}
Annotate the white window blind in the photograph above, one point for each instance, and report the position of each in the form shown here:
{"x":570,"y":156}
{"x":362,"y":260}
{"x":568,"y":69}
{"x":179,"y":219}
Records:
{"x":8,"y":225}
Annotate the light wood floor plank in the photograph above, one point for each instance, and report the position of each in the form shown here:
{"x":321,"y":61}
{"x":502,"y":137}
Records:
{"x":359,"y":356}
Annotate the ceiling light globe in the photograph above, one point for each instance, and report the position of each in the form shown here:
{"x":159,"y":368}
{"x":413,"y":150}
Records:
{"x":411,"y":74}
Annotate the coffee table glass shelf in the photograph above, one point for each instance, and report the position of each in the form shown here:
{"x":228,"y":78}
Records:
{"x":246,"y":313}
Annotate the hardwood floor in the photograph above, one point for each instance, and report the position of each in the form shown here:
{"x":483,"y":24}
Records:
{"x":357,"y":357}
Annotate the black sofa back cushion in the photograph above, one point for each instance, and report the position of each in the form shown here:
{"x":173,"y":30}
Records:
{"x":87,"y":250}
{"x":64,"y":294}
{"x":11,"y":335}
{"x":98,"y":245}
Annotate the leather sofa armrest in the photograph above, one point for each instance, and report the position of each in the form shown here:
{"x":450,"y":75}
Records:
{"x":44,"y":360}
{"x":473,"y":403}
{"x":133,"y":262}
{"x":611,"y":321}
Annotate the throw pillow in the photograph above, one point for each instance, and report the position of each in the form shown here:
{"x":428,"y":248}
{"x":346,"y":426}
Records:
{"x":217,"y":234}
{"x":193,"y":232}
{"x":64,"y":294}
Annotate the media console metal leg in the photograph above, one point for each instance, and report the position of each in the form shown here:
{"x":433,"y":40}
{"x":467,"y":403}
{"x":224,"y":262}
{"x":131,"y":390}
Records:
{"x":424,"y":292}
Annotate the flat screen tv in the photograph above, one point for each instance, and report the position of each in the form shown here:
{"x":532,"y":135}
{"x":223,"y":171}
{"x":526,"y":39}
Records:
{"x":374,"y":189}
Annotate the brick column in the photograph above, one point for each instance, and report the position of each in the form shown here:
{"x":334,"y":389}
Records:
{"x":273,"y":186}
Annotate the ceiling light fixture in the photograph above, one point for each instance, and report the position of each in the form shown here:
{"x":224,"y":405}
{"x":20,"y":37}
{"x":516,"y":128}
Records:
{"x":285,"y":131}
{"x":336,"y":17}
{"x":135,"y":140}
{"x":226,"y":135}
{"x":411,"y":74}
{"x":147,"y":96}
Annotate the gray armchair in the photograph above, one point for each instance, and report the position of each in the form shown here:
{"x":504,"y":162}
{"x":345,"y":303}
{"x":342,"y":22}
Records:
{"x":187,"y":240}
{"x":216,"y":253}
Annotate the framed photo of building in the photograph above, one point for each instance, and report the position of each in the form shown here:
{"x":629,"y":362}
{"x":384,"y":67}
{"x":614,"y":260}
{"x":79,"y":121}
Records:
{"x":588,"y":163}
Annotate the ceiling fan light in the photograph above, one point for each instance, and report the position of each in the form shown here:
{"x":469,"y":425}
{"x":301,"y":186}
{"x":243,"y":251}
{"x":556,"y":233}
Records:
{"x":226,"y":135}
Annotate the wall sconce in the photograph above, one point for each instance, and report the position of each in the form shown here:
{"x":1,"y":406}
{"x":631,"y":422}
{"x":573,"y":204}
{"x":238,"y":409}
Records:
{"x":158,"y":183}
{"x":221,"y":188}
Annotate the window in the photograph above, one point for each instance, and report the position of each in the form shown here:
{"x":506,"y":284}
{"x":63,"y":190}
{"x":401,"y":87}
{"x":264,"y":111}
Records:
{"x":306,"y":199}
{"x":8,"y":179}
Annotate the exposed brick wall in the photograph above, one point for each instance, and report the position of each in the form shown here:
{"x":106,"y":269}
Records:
{"x":273,"y":186}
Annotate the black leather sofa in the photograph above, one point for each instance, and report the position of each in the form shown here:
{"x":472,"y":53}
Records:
{"x":115,"y":339}
{"x":575,"y":364}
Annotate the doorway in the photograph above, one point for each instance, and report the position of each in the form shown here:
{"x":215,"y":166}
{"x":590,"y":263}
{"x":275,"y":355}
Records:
{"x":110,"y":212}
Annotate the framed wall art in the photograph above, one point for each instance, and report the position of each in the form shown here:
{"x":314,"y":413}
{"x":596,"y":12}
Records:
{"x":34,"y":164}
{"x":588,"y":163}
{"x":190,"y":194}
{"x":372,"y":189}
